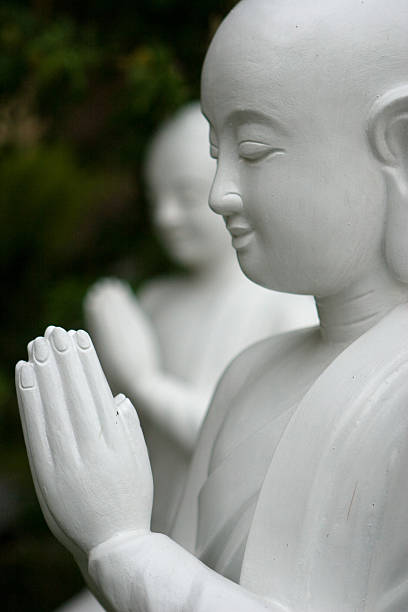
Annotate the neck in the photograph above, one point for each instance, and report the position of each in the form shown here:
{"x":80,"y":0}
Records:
{"x":349,"y":314}
{"x":221,"y":270}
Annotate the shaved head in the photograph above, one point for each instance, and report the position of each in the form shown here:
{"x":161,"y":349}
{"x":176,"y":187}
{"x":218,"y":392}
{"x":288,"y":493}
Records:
{"x":182,"y":141}
{"x":340,"y":47}
{"x":307,"y":102}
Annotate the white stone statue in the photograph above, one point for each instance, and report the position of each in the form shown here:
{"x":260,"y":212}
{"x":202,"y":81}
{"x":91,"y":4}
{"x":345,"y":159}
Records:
{"x":168,"y":362}
{"x":297,"y":499}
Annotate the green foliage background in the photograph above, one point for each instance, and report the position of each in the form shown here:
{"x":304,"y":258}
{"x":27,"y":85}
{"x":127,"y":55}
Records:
{"x":82,"y":87}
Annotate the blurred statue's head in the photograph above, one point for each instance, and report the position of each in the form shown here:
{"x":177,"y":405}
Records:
{"x":179,"y":174}
{"x":307,"y":102}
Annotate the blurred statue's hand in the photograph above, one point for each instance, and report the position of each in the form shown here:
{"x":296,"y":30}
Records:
{"x":87,"y":453}
{"x":124,"y":336}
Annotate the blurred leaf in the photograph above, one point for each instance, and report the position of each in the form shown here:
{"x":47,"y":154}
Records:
{"x":61,"y":61}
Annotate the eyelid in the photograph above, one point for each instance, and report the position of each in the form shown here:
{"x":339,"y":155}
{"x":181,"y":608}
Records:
{"x":254,"y":151}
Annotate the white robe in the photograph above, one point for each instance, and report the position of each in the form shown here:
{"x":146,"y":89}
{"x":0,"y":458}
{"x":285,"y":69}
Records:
{"x":330,"y":529}
{"x":329,"y":532}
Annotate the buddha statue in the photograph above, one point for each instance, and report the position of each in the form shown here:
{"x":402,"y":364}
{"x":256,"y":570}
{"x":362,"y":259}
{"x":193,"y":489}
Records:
{"x":296,"y":498}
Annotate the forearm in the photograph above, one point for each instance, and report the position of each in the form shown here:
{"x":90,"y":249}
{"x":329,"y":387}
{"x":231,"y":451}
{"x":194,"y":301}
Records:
{"x":151,"y":573}
{"x":176,"y":407}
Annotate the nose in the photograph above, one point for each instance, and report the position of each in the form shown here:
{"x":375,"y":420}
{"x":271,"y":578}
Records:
{"x":167,"y":212}
{"x":224,"y":196}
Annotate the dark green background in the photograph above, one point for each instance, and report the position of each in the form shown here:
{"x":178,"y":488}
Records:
{"x":82,"y":87}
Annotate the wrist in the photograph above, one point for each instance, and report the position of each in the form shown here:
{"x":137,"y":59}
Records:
{"x":115,"y":542}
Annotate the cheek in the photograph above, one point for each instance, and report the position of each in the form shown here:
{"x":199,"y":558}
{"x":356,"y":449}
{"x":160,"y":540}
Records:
{"x":208,"y":228}
{"x":316,"y":230}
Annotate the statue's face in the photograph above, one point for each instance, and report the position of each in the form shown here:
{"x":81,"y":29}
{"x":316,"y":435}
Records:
{"x":308,"y":202}
{"x":180,"y":174}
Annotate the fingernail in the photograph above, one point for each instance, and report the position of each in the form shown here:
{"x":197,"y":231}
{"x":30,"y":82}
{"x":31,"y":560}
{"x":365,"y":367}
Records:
{"x":27,"y":379}
{"x":49,"y":331}
{"x":41,"y":350}
{"x":83,"y":339}
{"x":60,"y":338}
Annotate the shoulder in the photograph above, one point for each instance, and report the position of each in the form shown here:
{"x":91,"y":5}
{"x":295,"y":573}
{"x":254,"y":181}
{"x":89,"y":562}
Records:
{"x":250,"y":361}
{"x":242,"y":372}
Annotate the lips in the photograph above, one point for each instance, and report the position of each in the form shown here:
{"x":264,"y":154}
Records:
{"x":241,"y":234}
{"x":238,"y":230}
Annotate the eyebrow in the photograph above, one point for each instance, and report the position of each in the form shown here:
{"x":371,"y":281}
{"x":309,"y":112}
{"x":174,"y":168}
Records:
{"x":255,"y":116}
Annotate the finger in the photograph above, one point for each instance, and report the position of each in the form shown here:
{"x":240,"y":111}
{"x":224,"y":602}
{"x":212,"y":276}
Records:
{"x":96,"y":380}
{"x":137,"y":447}
{"x":34,"y":430}
{"x":47,"y":333}
{"x":92,"y":368}
{"x":32,"y":419}
{"x":111,"y":289}
{"x":127,"y":414}
{"x":112,"y":282}
{"x":57,"y":423}
{"x":127,"y":410}
{"x":75,"y":401}
{"x":102,"y":287}
{"x":97,"y":305}
{"x":119,"y":398}
{"x":121,"y":287}
{"x":93,"y":293}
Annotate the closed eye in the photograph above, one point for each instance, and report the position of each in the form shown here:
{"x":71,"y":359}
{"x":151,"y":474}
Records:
{"x":255,"y":151}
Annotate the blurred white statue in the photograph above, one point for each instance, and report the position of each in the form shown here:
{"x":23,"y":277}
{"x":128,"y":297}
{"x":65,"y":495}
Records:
{"x":297,"y":497}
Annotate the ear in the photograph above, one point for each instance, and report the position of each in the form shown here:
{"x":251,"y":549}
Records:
{"x":388,"y":129}
{"x":388,"y":136}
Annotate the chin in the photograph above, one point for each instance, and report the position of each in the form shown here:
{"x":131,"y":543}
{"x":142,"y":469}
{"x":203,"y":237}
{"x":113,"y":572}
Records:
{"x":264,"y":276}
{"x":253,"y":270}
{"x":255,"y":266}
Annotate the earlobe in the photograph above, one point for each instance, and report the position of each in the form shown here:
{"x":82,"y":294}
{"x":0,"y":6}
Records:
{"x":388,"y":128}
{"x":388,"y":136}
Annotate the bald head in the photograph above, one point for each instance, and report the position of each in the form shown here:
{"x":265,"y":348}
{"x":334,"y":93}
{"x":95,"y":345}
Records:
{"x":308,"y":106}
{"x":329,"y":48}
{"x":180,"y":146}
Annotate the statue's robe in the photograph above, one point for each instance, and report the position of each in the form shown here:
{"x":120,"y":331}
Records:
{"x":326,"y":528}
{"x":198,"y":338}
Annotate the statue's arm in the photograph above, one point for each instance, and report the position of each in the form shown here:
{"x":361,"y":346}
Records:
{"x":123,"y":334}
{"x":173,"y":405}
{"x":129,"y":351}
{"x":153,"y":574}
